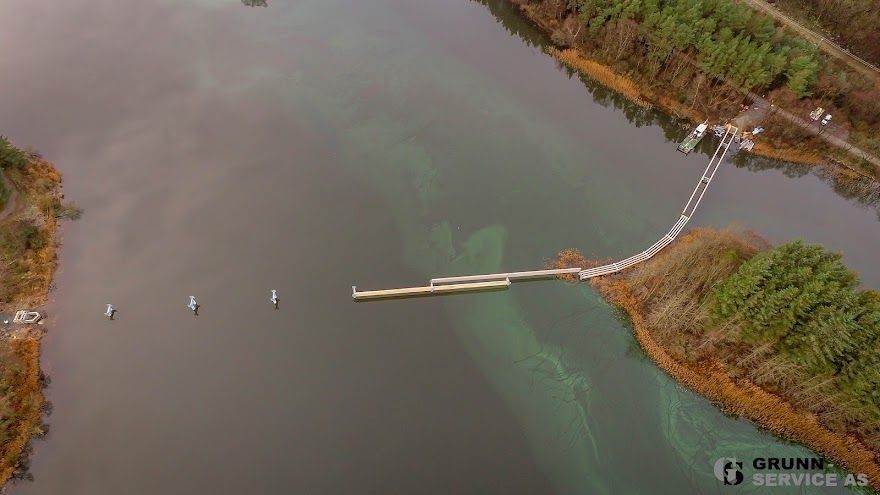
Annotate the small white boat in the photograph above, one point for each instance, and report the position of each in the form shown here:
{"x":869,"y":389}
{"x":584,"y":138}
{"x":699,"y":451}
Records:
{"x":693,"y":138}
{"x":25,"y":316}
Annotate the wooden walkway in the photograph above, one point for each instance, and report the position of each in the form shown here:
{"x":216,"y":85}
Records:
{"x":689,"y":209}
{"x":491,"y":281}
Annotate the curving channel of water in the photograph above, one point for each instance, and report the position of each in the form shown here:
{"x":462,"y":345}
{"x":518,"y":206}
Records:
{"x":224,"y":150}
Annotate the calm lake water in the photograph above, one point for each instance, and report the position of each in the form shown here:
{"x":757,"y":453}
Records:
{"x":221,"y":150}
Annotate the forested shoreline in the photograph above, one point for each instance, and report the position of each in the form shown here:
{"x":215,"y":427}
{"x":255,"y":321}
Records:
{"x":27,"y":263}
{"x":702,"y":58}
{"x":784,"y":336}
{"x":855,"y":24}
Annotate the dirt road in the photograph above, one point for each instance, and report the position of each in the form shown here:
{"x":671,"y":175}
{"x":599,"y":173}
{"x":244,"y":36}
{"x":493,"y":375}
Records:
{"x":824,"y":43}
{"x":760,"y":108}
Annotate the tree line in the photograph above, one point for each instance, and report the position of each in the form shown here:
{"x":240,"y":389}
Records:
{"x":700,"y":56}
{"x":856,"y":23}
{"x":791,"y":319}
{"x":803,"y":304}
{"x":10,"y":156}
{"x":728,"y":40}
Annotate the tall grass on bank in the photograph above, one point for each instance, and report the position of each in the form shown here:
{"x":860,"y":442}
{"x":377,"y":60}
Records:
{"x":782,"y":336}
{"x":572,"y":258}
{"x":602,"y":73}
{"x":673,"y":289}
{"x":27,"y":263}
{"x":21,"y":402}
{"x":27,"y":247}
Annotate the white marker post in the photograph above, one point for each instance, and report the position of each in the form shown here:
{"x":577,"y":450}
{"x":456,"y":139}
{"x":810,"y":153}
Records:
{"x":193,"y":305}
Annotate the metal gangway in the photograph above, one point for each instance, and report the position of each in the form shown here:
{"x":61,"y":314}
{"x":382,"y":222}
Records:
{"x":494,"y":281}
{"x":689,"y":209}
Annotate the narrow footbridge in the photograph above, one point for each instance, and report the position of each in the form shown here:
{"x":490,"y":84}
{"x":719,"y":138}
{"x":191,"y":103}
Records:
{"x":500,"y":281}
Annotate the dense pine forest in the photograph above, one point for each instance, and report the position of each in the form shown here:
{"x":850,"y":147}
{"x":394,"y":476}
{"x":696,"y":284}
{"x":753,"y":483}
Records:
{"x":792,"y":319}
{"x":855,"y":24}
{"x":782,"y":336}
{"x":804,"y":321}
{"x":707,"y":55}
{"x":726,"y":40}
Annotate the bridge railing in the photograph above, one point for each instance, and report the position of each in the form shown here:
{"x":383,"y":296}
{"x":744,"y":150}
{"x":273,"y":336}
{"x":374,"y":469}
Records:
{"x":444,"y":285}
{"x":686,"y":213}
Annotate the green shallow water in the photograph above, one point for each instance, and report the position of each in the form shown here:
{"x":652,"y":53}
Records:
{"x":599,"y":418}
{"x":378,"y":145}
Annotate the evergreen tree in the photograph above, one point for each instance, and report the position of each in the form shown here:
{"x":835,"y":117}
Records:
{"x":727,"y":40}
{"x":801,"y":74}
{"x":804,"y":301}
{"x":10,"y":156}
{"x":761,"y":28}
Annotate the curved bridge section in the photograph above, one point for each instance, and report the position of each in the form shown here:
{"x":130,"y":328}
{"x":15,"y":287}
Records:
{"x":495,"y":281}
{"x":689,"y":209}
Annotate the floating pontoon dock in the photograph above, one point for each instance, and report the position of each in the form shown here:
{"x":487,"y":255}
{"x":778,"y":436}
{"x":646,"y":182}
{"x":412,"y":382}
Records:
{"x":509,"y":276}
{"x":690,"y":142}
{"x":427,"y":290}
{"x":463,"y":283}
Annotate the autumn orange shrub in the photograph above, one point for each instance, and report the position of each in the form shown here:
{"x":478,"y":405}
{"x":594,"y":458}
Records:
{"x":668,"y":300}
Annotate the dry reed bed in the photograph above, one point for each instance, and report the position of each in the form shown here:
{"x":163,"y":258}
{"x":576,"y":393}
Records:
{"x":602,"y":73}
{"x":29,"y":398}
{"x":576,"y":59}
{"x":764,"y":149}
{"x":40,"y":186}
{"x":572,"y":258}
{"x":739,"y":396}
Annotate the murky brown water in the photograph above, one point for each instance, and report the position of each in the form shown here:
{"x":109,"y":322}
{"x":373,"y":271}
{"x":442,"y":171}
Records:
{"x":221,"y":151}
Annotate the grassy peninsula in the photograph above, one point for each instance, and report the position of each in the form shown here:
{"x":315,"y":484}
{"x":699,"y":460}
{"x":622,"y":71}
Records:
{"x":783,"y":336}
{"x":703,"y":59}
{"x":29,"y":212}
